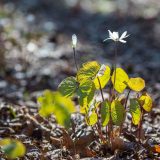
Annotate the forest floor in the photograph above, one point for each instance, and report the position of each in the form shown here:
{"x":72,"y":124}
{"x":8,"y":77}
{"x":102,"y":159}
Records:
{"x":36,"y":54}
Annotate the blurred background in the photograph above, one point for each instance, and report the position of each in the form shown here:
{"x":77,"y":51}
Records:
{"x":35,"y":42}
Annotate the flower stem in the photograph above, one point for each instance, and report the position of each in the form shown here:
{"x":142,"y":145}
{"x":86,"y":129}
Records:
{"x":115,"y":65}
{"x":100,"y":89}
{"x":74,"y":56}
{"x":140,"y":126}
{"x":99,"y":114}
{"x":125,"y":106}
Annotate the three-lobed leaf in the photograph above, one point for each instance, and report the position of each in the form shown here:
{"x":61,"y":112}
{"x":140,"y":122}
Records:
{"x":12,"y":148}
{"x":135,"y":111}
{"x":146,"y":102}
{"x":136,"y":84}
{"x":119,"y":80}
{"x":117,"y":112}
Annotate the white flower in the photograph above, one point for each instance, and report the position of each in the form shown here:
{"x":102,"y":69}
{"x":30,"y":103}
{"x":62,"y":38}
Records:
{"x":115,"y":36}
{"x":74,"y":41}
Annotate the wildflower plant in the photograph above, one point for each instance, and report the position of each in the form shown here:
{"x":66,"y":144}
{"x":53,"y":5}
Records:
{"x":12,"y":148}
{"x":93,"y":77}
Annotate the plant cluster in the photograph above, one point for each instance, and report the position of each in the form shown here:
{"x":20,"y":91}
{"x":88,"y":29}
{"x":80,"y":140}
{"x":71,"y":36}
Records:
{"x":105,"y":115}
{"x":90,"y":80}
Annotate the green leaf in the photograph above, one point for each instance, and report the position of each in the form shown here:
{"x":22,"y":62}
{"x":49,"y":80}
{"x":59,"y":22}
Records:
{"x":92,"y":119}
{"x":12,"y":148}
{"x":68,"y":86}
{"x":146,"y":102}
{"x":136,"y":84}
{"x":60,"y":106}
{"x":103,"y":75}
{"x":85,"y":94}
{"x":88,"y":71}
{"x":120,"y":80}
{"x":85,"y":86}
{"x":105,"y":112}
{"x":117,"y":112}
{"x":135,"y":111}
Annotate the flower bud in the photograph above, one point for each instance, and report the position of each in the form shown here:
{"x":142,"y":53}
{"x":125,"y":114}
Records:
{"x":74,"y":41}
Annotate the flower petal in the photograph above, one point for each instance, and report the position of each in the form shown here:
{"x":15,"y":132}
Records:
{"x":123,"y":35}
{"x":123,"y":41}
{"x":127,"y":36}
{"x":106,"y":39}
{"x":111,"y":34}
{"x":115,"y":35}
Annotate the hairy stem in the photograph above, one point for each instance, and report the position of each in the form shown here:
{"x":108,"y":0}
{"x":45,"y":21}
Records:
{"x":140,"y":125}
{"x":100,"y":108}
{"x":125,"y":106}
{"x":115,"y":65}
{"x":110,"y":125}
{"x":100,"y":89}
{"x":74,"y":56}
{"x":99,"y":130}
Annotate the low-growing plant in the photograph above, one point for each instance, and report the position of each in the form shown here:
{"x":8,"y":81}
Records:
{"x":12,"y":148}
{"x":90,"y":80}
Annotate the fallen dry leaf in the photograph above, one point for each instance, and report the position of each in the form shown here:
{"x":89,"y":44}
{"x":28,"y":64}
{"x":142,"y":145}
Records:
{"x":156,"y":148}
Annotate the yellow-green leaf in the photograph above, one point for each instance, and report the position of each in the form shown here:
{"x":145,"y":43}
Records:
{"x":85,"y":86}
{"x":46,"y":102}
{"x":146,"y":102}
{"x":105,"y":112}
{"x":12,"y":148}
{"x":103,"y":75}
{"x":63,"y":108}
{"x":119,"y":80}
{"x":136,"y":84}
{"x":135,"y":111}
{"x":117,"y":112}
{"x":68,"y":86}
{"x":92,"y":119}
{"x":88,"y":70}
{"x":60,"y":106}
